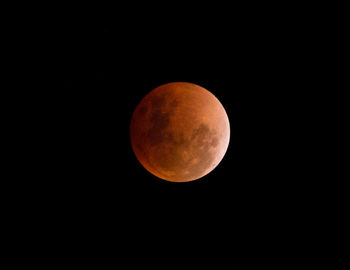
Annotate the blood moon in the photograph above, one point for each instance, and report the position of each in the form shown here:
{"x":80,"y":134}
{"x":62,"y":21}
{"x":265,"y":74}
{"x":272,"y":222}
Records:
{"x":179,"y":132}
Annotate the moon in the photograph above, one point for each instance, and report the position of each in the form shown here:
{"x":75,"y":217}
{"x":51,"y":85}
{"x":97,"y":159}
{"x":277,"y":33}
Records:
{"x":179,"y":132}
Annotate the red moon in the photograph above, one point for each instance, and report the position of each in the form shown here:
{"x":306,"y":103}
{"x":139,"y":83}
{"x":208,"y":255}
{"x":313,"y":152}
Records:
{"x":179,"y":132}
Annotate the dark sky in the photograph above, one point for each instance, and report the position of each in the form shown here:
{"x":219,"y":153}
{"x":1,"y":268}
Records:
{"x":237,"y":215}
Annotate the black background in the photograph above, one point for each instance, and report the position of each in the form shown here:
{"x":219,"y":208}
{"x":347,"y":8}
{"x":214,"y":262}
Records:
{"x":106,"y":208}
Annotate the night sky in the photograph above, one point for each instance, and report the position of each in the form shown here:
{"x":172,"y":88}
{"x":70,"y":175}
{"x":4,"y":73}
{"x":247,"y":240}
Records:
{"x":232,"y":218}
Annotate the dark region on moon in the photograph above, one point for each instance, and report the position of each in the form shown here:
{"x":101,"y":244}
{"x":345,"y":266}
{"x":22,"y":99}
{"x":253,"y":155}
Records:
{"x":160,"y":120}
{"x":197,"y":144}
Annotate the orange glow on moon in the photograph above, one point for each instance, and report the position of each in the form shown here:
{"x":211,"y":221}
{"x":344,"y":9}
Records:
{"x":179,"y":132}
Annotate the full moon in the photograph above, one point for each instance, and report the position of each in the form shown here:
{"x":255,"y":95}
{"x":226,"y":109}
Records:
{"x":179,"y":132}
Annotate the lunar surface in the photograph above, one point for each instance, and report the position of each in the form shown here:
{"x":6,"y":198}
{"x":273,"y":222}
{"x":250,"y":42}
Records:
{"x":179,"y":132}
